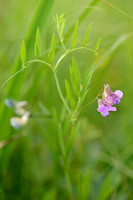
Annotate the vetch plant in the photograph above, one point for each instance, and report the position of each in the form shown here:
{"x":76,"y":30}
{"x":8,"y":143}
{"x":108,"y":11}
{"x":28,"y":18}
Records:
{"x":66,"y":124}
{"x":77,"y":93}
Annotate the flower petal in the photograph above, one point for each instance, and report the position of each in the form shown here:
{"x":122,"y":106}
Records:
{"x":105,"y":113}
{"x":17,"y":122}
{"x":112,"y":108}
{"x":119,"y":93}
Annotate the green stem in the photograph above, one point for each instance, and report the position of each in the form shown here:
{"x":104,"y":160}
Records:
{"x":38,"y":61}
{"x":91,"y":101}
{"x":70,"y":51}
{"x":60,"y":92}
{"x":24,"y":66}
{"x":11,"y":77}
{"x":71,"y":139}
{"x":66,"y":165}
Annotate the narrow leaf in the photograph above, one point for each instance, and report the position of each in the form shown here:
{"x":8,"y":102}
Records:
{"x":83,"y":97}
{"x":38,"y":44}
{"x":76,"y":71}
{"x":62,"y":28}
{"x":74,"y":35}
{"x":87,"y":35}
{"x":23,"y":52}
{"x":74,"y":82}
{"x":87,"y":79}
{"x":70,"y":95}
{"x":52,"y":49}
{"x":97,"y":44}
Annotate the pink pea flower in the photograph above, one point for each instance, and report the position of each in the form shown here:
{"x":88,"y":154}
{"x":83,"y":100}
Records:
{"x":112,"y":97}
{"x":104,"y":108}
{"x":109,"y":98}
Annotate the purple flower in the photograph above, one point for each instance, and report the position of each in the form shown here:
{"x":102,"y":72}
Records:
{"x":112,"y":97}
{"x":104,"y":108}
{"x":109,"y":98}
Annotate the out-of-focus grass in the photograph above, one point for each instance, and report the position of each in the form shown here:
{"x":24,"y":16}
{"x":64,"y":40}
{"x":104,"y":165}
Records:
{"x":29,"y":170}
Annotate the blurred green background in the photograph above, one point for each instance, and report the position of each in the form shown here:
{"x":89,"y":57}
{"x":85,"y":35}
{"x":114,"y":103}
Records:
{"x":103,"y":152}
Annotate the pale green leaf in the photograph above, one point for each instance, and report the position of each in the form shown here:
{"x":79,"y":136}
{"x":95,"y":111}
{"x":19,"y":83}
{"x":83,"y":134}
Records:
{"x":75,"y":85}
{"x":38,"y":44}
{"x":62,"y":28}
{"x":23,"y":52}
{"x":52,"y":49}
{"x":87,"y":79}
{"x":87,"y":35}
{"x":97,"y":44}
{"x":76,"y":71}
{"x":70,"y":95}
{"x":74,"y":35}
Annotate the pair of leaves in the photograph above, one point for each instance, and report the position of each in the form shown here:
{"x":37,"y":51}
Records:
{"x":60,"y":21}
{"x":61,"y":25}
{"x":79,"y":88}
{"x":37,"y":48}
{"x":75,"y":35}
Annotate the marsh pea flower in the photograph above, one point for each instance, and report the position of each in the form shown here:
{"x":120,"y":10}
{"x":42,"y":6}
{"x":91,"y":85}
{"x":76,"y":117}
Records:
{"x":104,"y":108}
{"x":112,"y":97}
{"x":109,"y":98}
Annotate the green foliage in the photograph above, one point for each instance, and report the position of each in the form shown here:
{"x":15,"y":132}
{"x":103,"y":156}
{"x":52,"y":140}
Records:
{"x":76,"y":71}
{"x":87,"y":35}
{"x":23,"y":52}
{"x":52,"y":50}
{"x":74,"y":35}
{"x":70,"y":95}
{"x":86,"y":80}
{"x":37,"y":47}
{"x":97,"y":45}
{"x":84,"y":185}
{"x":110,"y":183}
{"x":74,"y":82}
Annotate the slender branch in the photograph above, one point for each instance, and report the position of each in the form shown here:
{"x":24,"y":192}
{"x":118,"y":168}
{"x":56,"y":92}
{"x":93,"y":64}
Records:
{"x":70,"y":51}
{"x":60,"y":92}
{"x":66,"y":164}
{"x":11,"y":77}
{"x":38,"y":61}
{"x":24,"y":66}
